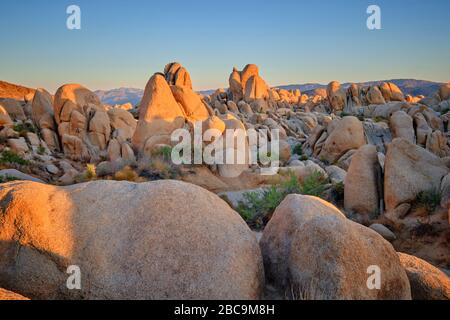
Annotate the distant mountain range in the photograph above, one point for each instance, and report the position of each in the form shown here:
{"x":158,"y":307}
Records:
{"x":134,"y":96}
{"x":408,"y":86}
{"x":120,"y":96}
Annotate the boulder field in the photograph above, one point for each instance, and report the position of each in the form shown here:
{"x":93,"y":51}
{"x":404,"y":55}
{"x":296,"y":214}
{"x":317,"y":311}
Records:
{"x":363,"y":173}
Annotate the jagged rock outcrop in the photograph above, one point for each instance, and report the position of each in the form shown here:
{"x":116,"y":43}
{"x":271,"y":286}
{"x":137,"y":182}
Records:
{"x":248,"y":85}
{"x":391,"y":92}
{"x":336,"y":96}
{"x":177,"y":75}
{"x":159,"y":114}
{"x":83,"y":124}
{"x":153,"y":249}
{"x":44,"y":118}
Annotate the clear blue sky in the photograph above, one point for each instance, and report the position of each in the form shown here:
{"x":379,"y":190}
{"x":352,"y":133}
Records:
{"x":122,"y":43}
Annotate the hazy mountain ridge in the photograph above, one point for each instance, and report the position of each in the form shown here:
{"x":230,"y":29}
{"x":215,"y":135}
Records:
{"x":120,"y":95}
{"x":134,"y":95}
{"x":408,"y":86}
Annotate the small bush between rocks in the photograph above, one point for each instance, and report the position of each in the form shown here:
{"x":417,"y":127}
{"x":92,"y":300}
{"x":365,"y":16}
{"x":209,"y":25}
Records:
{"x":314,"y":185}
{"x":298,"y":150}
{"x":89,"y":175}
{"x":430,"y":200}
{"x":41,"y":150}
{"x":24,"y":128}
{"x":9,"y":157}
{"x":126,"y":174}
{"x":165,"y":153}
{"x":257,"y":208}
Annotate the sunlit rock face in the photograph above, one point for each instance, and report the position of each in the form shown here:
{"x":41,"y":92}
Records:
{"x":83,"y":124}
{"x":311,"y":250}
{"x":160,"y":247}
{"x":177,"y":75}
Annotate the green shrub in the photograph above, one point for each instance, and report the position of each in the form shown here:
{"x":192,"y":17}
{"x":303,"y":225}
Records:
{"x":23,"y":128}
{"x":298,"y":150}
{"x":314,"y":185}
{"x":165,"y":153}
{"x":41,"y":150}
{"x":91,"y":172}
{"x":304,"y":157}
{"x":430,"y":200}
{"x":126,"y":174}
{"x":257,"y":208}
{"x":9,"y":157}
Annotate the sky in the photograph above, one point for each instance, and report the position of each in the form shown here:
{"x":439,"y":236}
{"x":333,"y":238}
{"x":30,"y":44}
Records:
{"x":122,"y":43}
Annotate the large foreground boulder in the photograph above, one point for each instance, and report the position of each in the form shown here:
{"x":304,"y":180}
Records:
{"x":427,"y":281}
{"x":409,"y":170}
{"x":311,"y":250}
{"x":130,"y":241}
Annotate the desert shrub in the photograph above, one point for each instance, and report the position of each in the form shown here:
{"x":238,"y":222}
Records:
{"x":257,"y":208}
{"x":7,"y":178}
{"x":298,"y":150}
{"x":126,"y":174}
{"x":91,"y":172}
{"x":314,"y":185}
{"x":430,"y":200}
{"x":23,"y":128}
{"x":165,"y":153}
{"x":10,"y":157}
{"x":159,"y":169}
{"x":41,"y":150}
{"x":304,"y":157}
